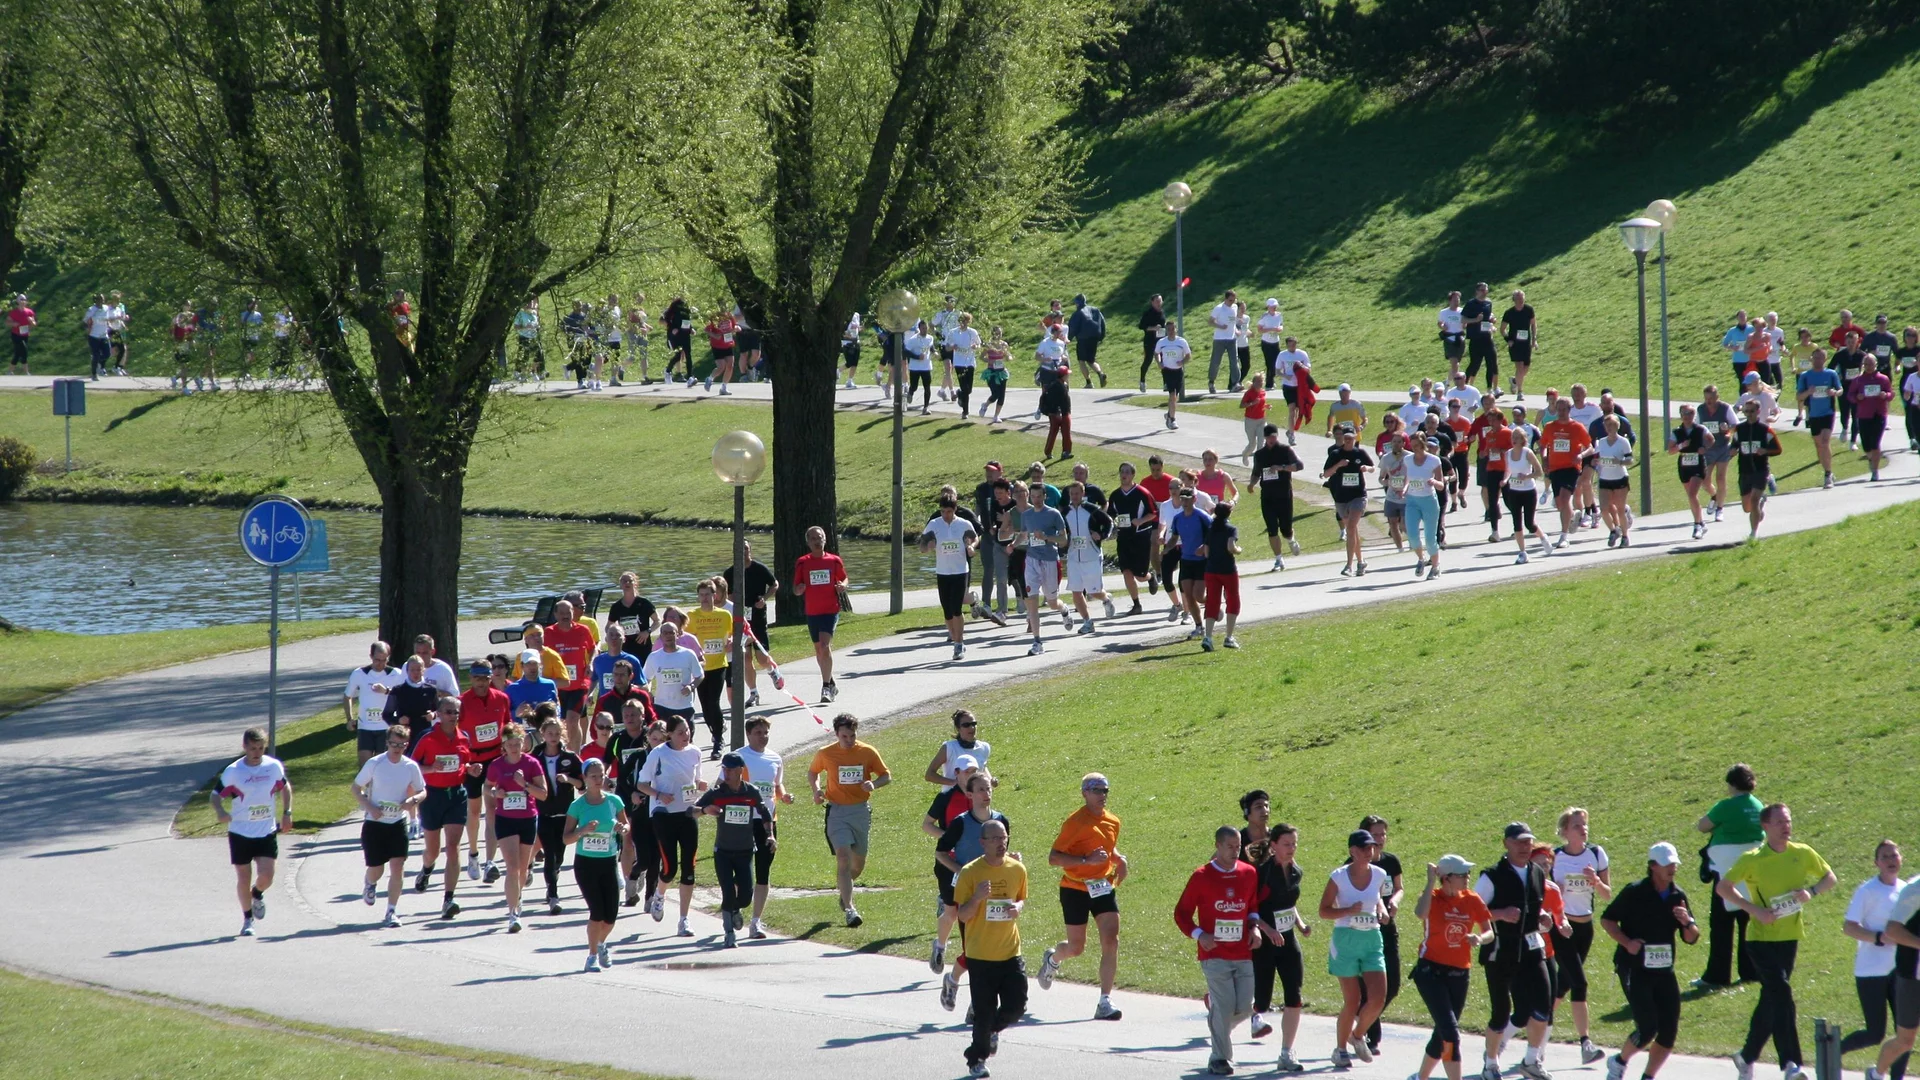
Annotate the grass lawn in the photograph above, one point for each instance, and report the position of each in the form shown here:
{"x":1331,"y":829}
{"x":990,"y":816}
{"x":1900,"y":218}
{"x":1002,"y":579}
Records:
{"x":1627,"y":691}
{"x":229,"y":448}
{"x":54,"y":1031}
{"x":37,"y":664}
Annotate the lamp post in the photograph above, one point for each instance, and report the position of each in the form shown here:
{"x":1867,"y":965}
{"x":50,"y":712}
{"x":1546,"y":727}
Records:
{"x":899,"y":311}
{"x":1640,"y":234}
{"x":739,"y":457}
{"x":1662,"y":211}
{"x":1175,"y":198}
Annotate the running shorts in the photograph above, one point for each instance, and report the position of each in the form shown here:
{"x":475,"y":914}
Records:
{"x":1276,"y":510}
{"x":369,"y":741}
{"x":1870,"y":429}
{"x":1563,"y":481}
{"x":1349,"y":507}
{"x":1290,"y":393}
{"x":1906,"y":1002}
{"x":943,"y":881}
{"x":1692,"y":472}
{"x":1076,"y":905}
{"x":1614,"y":485}
{"x":1719,"y":455}
{"x":1520,"y":353}
{"x":1396,"y":510}
{"x":573,"y":702}
{"x":1351,"y":952}
{"x":382,"y":843}
{"x":520,"y":828}
{"x":848,"y":826}
{"x":1453,"y":347}
{"x":1820,"y":425}
{"x":1751,"y":484}
{"x":242,"y":850}
{"x":1043,"y":577}
{"x":444,"y":806}
{"x":1174,"y":380}
{"x":1194,"y":570}
{"x":1083,"y":576}
{"x":1133,"y":552}
{"x":821,"y":624}
{"x":953,"y":593}
{"x":1489,"y":478}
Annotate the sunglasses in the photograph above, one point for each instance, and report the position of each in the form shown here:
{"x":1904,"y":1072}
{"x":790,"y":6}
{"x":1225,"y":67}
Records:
{"x":1096,"y":790}
{"x":969,"y":723}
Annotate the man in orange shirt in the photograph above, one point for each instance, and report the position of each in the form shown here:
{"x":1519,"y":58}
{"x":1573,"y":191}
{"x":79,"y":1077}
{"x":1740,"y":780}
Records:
{"x":845,"y":774}
{"x":1087,"y":852}
{"x":1565,"y":441}
{"x":1488,"y":433}
{"x":574,"y":644}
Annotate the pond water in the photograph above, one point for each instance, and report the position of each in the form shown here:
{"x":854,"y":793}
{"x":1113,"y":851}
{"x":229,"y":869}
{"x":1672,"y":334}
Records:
{"x":88,"y":568}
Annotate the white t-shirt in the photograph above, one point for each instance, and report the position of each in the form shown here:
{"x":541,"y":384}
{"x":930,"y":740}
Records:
{"x":1611,"y":457}
{"x":1290,"y":363}
{"x":251,"y":789}
{"x":99,"y":320}
{"x":945,"y":322}
{"x":1468,"y":397}
{"x":440,"y":677}
{"x":672,"y":676}
{"x":117,"y":317}
{"x":963,"y":343}
{"x":1418,"y":473}
{"x":612,"y":318}
{"x":1910,"y":387}
{"x":1240,"y":328}
{"x":1768,"y":408}
{"x":919,"y":352}
{"x":1222,"y":319}
{"x":388,"y":784}
{"x":1450,"y":320}
{"x":1871,"y":905}
{"x":1173,"y":352}
{"x":1584,"y":415}
{"x":674,"y":772}
{"x":1575,"y":875}
{"x":764,"y":771}
{"x":1413,"y":413}
{"x":980,"y":751}
{"x":949,"y":544}
{"x":1270,"y":326}
{"x":371,"y":702}
{"x":1052,"y":352}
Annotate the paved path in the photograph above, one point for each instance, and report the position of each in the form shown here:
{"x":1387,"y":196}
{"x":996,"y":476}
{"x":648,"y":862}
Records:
{"x":157,"y":911}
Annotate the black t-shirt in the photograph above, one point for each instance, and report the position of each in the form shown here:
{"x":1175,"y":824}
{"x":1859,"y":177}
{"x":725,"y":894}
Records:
{"x":1153,"y":318}
{"x":1279,"y":457}
{"x":1220,"y":537}
{"x":1872,"y":343}
{"x":735,"y":832}
{"x":1281,"y":884}
{"x":1751,"y":441}
{"x":1001,"y":512}
{"x":559,"y":793}
{"x":1847,"y":362}
{"x":1348,"y":463}
{"x":1095,"y":496}
{"x":629,"y":753}
{"x":1642,"y":912}
{"x":1515,"y":320}
{"x":760,"y":583}
{"x":1909,"y":357}
{"x":949,"y":804}
{"x":1906,"y":958}
{"x":1691,"y":439}
{"x":637,"y":620}
{"x":677,"y":313}
{"x":983,"y":500}
{"x":411,"y":705}
{"x":1473,"y":313}
{"x":1136,"y":504}
{"x":1446,"y":437}
{"x":1597,"y":430}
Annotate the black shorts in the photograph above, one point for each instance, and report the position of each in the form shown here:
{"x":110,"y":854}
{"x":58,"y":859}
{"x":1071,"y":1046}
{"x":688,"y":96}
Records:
{"x":943,"y":880}
{"x":1820,"y":425}
{"x":476,"y":786}
{"x":444,"y":806}
{"x":1076,"y":906}
{"x":850,"y":353}
{"x":746,"y":340}
{"x":723,"y":353}
{"x":1194,"y":570}
{"x":1614,"y":485}
{"x":370,"y":741}
{"x":953,"y":593}
{"x":383,"y":843}
{"x":1173,"y":380}
{"x":1489,"y":478}
{"x":573,"y":701}
{"x":1521,"y":355}
{"x":1870,"y":429}
{"x":242,"y":850}
{"x":1276,"y":507}
{"x":1453,"y":347}
{"x":1753,"y":485}
{"x":520,"y":828}
{"x":757,"y":625}
{"x":1690,"y":473}
{"x":1563,"y":480}
{"x":1906,"y":1002}
{"x":1133,"y":551}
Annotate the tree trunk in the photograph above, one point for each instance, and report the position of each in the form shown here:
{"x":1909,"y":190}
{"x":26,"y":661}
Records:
{"x":420,"y":562}
{"x":803,"y":482}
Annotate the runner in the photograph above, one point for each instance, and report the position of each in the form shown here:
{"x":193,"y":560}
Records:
{"x":1425,"y":486}
{"x":918,"y":344}
{"x":996,"y":353}
{"x":1187,"y":529}
{"x":713,"y":628}
{"x":1689,"y":441}
{"x":1217,"y":910}
{"x":635,"y":614}
{"x":515,"y":785}
{"x":1848,"y":360}
{"x":1514,"y":891}
{"x":529,"y":687}
{"x":1134,"y":517}
{"x":1044,"y":530}
{"x":626,"y":751}
{"x":446,"y":761}
{"x":1718,"y":420}
{"x":613,"y":650}
{"x":962,"y":342}
{"x":1580,"y":870}
{"x":965,"y":811}
{"x":1269,"y":847}
{"x":1269,"y":325}
{"x":766,"y":772}
{"x":244,"y":804}
{"x":595,"y":823}
{"x":387,"y":788}
{"x":1453,"y":337}
{"x":564,"y":771}
{"x":674,"y":672}
{"x":1393,"y":483}
{"x":853,"y":771}
{"x":1909,"y":356}
{"x":952,"y":540}
{"x":1735,"y":342}
{"x":1903,"y":930}
{"x":1869,"y":914}
{"x":1780,"y":876}
{"x":1869,"y":394}
{"x":1477,"y":313}
{"x":1159,"y":486}
{"x":1757,"y":444}
{"x":1816,"y":389}
{"x":1344,"y":476}
{"x":821,"y":578}
{"x":742,"y":827}
{"x":948,"y":806}
{"x":1151,"y":323}
{"x":1292,"y":365}
{"x":1087,"y":526}
{"x":1643,"y":920}
{"x":670,"y":779}
{"x":1087,"y":852}
{"x":1488,"y":436}
{"x":1352,"y":900}
{"x":484,"y":716}
{"x":1880,"y":344}
{"x":1253,"y":414}
{"x":1272,"y":474}
{"x":1457,"y":921}
{"x":1613,"y":457}
{"x":1558,"y":930}
{"x":1222,"y":319}
{"x":1087,"y":328}
{"x":995,"y":888}
{"x":1522,"y":332}
{"x":944,"y":323}
{"x":1173,"y":352}
{"x":1519,"y":491}
{"x":1567,"y":442}
{"x":574,"y":643}
{"x":366,"y":707}
{"x":1055,"y":393}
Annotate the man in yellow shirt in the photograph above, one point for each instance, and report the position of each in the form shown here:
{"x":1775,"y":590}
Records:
{"x":551,"y":666}
{"x":994,"y":888}
{"x":712,"y":627}
{"x":852,"y":771}
{"x":1779,"y":876}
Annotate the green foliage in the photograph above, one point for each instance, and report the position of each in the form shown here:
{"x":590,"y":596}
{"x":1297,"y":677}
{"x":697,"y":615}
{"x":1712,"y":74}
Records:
{"x":1161,"y":48}
{"x":17,"y":462}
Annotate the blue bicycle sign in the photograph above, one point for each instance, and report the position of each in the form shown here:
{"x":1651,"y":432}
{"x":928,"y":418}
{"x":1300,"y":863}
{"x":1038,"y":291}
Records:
{"x":274,"y":530}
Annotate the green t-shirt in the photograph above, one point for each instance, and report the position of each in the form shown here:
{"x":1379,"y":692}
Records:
{"x":1768,"y":874}
{"x":1736,"y":820}
{"x":600,"y":844}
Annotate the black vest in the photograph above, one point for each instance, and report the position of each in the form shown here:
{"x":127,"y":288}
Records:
{"x":1511,"y":888}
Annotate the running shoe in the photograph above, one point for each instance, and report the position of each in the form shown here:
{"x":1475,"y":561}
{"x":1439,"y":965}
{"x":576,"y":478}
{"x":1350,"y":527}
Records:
{"x":1261,"y":1029}
{"x":938,"y":961}
{"x":1135,"y":610}
{"x":1742,"y":1068}
{"x":1346,"y":570}
{"x":1361,"y":569}
{"x":724,"y":392}
{"x":753,"y":698}
{"x":259,"y":906}
{"x":1828,"y":482}
{"x":1623,"y":539}
{"x":853,"y":918}
{"x":1291,"y":441}
{"x":1153,"y":585}
{"x":1772,"y":488}
{"x":1419,"y":564}
{"x":513,"y":924}
{"x":1520,"y":559}
{"x":1086,"y":626}
{"x":1049,"y":967}
{"x":366,"y":894}
{"x":713,"y":753}
{"x":1613,"y":537}
{"x":1589,"y":1053}
{"x":1105,"y":1011}
{"x":1433,"y":571}
{"x":606,"y":955}
{"x":657,"y":907}
{"x":949,"y":991}
{"x":729,"y":941}
{"x":420,"y":883}
{"x":1533,"y":1070}
{"x":1361,"y":1050}
{"x":1490,"y":1071}
{"x":414,"y":831}
{"x":1206,"y":643}
{"x":473,"y":867}
{"x":393,"y":919}
{"x":491,"y":872}
{"x":1794,"y":1072}
{"x":1231,"y":642}
{"x":683,"y":931}
{"x":449,"y":909}
{"x":756,"y":931}
{"x":633,"y":892}
{"x":1617,"y":1069}
{"x":1277,"y":564}
{"x":1341,"y":1059}
{"x":1493,"y":537}
{"x":1037,"y":648}
{"x":246,"y":928}
{"x":593,"y":960}
{"x":1185,"y":615}
{"x":1562,"y":542}
{"x":1219,"y":1068}
{"x":1171,"y":426}
{"x":553,"y":905}
{"x":1109,"y":604}
{"x":978,"y":1069}
{"x":1343,"y":534}
{"x":959,"y":650}
{"x":1173,"y":614}
{"x":1066,"y":618}
{"x":1287,"y":1064}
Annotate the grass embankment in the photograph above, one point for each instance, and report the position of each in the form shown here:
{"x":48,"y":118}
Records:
{"x":1360,"y":213}
{"x":1626,"y":691}
{"x":537,"y":456}
{"x":54,"y":1031}
{"x":321,"y":760}
{"x":37,"y":664}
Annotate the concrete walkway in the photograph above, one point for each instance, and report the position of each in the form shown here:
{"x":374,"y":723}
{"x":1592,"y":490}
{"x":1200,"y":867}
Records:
{"x":99,"y":891}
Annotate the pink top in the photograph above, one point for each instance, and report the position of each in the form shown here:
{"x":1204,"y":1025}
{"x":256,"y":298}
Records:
{"x":513,"y":781}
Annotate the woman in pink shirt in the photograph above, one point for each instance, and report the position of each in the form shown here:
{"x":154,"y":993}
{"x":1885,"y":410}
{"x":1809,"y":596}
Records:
{"x":515,"y":785}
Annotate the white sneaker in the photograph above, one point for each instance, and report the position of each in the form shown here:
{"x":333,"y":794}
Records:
{"x":1277,"y":564}
{"x":1066,"y":619}
{"x":513,"y":924}
{"x":938,"y":961}
{"x":1617,"y":1069}
{"x":393,"y":919}
{"x":1341,"y":1059}
{"x":1049,"y":967}
{"x":593,"y":960}
{"x":1589,"y":1053}
{"x":1037,"y":648}
{"x":1533,"y":1070}
{"x":683,"y":931}
{"x":259,"y":907}
{"x":1109,"y":603}
{"x":1795,"y":1072}
{"x":1360,"y":1050}
{"x":1741,"y":1066}
{"x":473,"y":867}
{"x":657,"y":907}
{"x":1520,"y":559}
{"x":1287,"y":1064}
{"x":606,"y":956}
{"x":1293,"y":545}
{"x":366,"y":894}
{"x":1231,"y":642}
{"x":949,"y":991}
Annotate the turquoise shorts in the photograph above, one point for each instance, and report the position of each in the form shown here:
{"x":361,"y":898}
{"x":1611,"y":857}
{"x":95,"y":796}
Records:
{"x":1352,"y":952}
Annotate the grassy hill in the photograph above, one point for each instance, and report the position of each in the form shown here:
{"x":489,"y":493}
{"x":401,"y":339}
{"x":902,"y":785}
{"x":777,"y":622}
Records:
{"x":1626,"y":691}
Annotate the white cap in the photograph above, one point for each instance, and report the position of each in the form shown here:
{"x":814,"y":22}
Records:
{"x":1271,"y":302}
{"x":1413,"y":389}
{"x":1348,"y":387}
{"x":1663,"y":854}
{"x":964,"y":762}
{"x":529,"y":657}
{"x":1454,"y":864}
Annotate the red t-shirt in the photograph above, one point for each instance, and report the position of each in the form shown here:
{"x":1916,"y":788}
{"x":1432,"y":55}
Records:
{"x":1450,"y":920}
{"x":1489,"y":434}
{"x":1838,"y":337}
{"x":443,"y":761}
{"x":17,"y":320}
{"x":1160,"y":487}
{"x":1555,"y":905}
{"x":483,"y":720}
{"x":402,"y":313}
{"x":575,"y":646}
{"x":1223,"y":904}
{"x":1253,"y":404}
{"x":1564,"y":440}
{"x":819,"y":573}
{"x":720,"y":333}
{"x":1461,"y":426}
{"x":593,"y":751}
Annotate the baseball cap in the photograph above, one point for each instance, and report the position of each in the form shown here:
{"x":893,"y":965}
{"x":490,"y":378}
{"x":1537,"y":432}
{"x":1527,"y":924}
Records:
{"x":733,"y":761}
{"x":1454,"y":864}
{"x":479,"y":667}
{"x":1360,"y":838}
{"x":1519,"y":831}
{"x":1751,"y":376}
{"x":1349,"y":387}
{"x":993,"y":465}
{"x":1273,"y":302}
{"x":529,"y":657}
{"x":964,"y":762}
{"x":1410,"y":389}
{"x":1663,"y":854}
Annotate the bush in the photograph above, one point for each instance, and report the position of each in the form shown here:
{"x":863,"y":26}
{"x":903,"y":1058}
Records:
{"x":17,"y":461}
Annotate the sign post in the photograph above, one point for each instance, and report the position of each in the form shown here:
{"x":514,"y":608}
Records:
{"x":315,"y":560}
{"x":69,"y":400}
{"x":274,"y":532}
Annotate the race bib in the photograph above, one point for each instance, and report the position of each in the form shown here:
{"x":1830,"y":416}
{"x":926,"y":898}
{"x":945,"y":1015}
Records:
{"x":714,"y":646}
{"x":371,"y":713}
{"x":1522,"y":335}
{"x":264,"y":812}
{"x":686,"y":324}
{"x":1535,"y":941}
{"x":852,"y":775}
{"x":1351,"y":480}
{"x":1577,"y":883}
{"x":1271,"y":472}
{"x":689,"y":794}
{"x":630,"y":625}
{"x":596,"y":844}
{"x":1121,"y":521}
{"x":1689,"y":459}
{"x":1563,"y":446}
{"x":572,"y":672}
{"x":1079,"y":543}
{"x":1099,"y":887}
{"x":1712,"y":426}
{"x":1824,"y":391}
{"x":1228,"y":931}
{"x":1881,"y":351}
{"x":1369,"y":920}
{"x":389,"y":811}
{"x":1870,"y":390}
{"x":950,"y":547}
{"x":738,"y":815}
{"x":487,"y":732}
{"x":766,"y":790}
{"x":606,"y":682}
{"x":513,"y":800}
{"x":999,"y":911}
{"x":446,"y":763}
{"x":1747,"y":446}
{"x":819,"y":577}
{"x":671,"y":675}
{"x":1284,"y":921}
{"x":1784,"y":906}
{"x":1486,"y":328}
{"x":1656,"y":957}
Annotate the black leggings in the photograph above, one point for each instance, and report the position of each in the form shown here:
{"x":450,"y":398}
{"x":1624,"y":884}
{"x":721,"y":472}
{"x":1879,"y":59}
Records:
{"x":1572,"y":954}
{"x":1654,"y":997}
{"x":1147,"y":346}
{"x":1913,"y":422}
{"x":1282,"y":960}
{"x":1271,"y":351}
{"x":1444,"y":989}
{"x":923,"y":382}
{"x":679,"y":838}
{"x":1774,"y":1015}
{"x":1521,"y":505}
{"x":1518,"y":991}
{"x":963,"y":377}
{"x":1276,"y":509}
{"x":712,"y":684}
{"x":552,"y":828}
{"x":1876,"y":1002}
{"x":599,"y":881}
{"x":735,"y":871}
{"x":646,"y":851}
{"x":997,"y":392}
{"x":1390,"y":946}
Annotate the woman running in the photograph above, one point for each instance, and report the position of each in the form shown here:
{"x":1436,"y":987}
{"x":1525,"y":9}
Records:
{"x":1425,"y":485}
{"x":595,"y":823}
{"x":996,"y":354}
{"x":671,"y":778}
{"x":1457,"y":923}
{"x":1356,"y":954}
{"x":1345,"y":476}
{"x":1613,"y":456}
{"x":963,"y":343}
{"x":678,"y":319}
{"x":1270,"y":848}
{"x":919,"y":346}
{"x":1581,"y":870}
{"x":1214,"y":480}
{"x":1518,"y":489}
{"x":564,"y":782}
{"x":514,"y":782}
{"x":1689,"y":440}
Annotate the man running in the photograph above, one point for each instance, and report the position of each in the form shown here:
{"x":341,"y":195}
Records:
{"x":1817,"y":390}
{"x":1718,"y":420}
{"x":1134,"y":516}
{"x":1045,"y":531}
{"x":1870,"y":392}
{"x":1222,"y":318}
{"x":767,"y":772}
{"x":484,"y":715}
{"x":1515,"y":891}
{"x":387,"y":788}
{"x":995,"y":891}
{"x":852,"y":772}
{"x":952,"y":540}
{"x":1757,"y":445}
{"x":446,"y":760}
{"x":1644,"y":920}
{"x":1273,"y":467}
{"x":1453,"y":337}
{"x":1189,"y":528}
{"x":1218,"y":910}
{"x":1522,"y":332}
{"x":1566,"y":440}
{"x":1477,"y":313}
{"x":1290,"y":366}
{"x":575,"y":644}
{"x":744,"y":826}
{"x":821,"y":579}
{"x":1087,"y":852}
{"x":1087,"y":525}
{"x":244,"y":804}
{"x":1780,"y":876}
{"x":761,"y":585}
{"x":1173,"y":352}
{"x":366,"y":706}
{"x":1152,"y":321}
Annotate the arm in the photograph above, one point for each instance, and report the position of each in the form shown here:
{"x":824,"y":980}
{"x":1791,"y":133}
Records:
{"x":1729,"y":894}
{"x":1327,"y":897}
{"x":939,"y":762}
{"x":971,"y":907}
{"x":1421,"y":905}
{"x":1620,"y":938}
{"x":1705,"y":824}
{"x":286,"y":808}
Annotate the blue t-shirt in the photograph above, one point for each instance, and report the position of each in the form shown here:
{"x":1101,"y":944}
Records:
{"x":1191,"y":527}
{"x":1819,"y":404}
{"x":587,"y":844}
{"x":603,"y":670}
{"x":1045,"y":521}
{"x":531,"y":692}
{"x":1736,"y":336}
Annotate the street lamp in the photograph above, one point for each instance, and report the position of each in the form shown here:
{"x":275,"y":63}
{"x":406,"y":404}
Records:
{"x":899,"y":311}
{"x":1662,"y":211}
{"x":1640,"y":234}
{"x":1175,"y":198}
{"x":739,"y":457}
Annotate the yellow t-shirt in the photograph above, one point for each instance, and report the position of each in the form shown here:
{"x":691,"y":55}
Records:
{"x":861,"y":764}
{"x":551,"y":666}
{"x":1350,"y":413}
{"x":712,"y":629}
{"x":994,"y":933}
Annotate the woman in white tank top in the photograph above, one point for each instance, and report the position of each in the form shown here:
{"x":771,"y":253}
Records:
{"x":1518,"y":492}
{"x":1356,"y":955}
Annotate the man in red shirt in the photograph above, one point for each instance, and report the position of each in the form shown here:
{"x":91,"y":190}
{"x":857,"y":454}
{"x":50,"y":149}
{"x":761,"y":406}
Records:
{"x":484,"y":714}
{"x":1217,"y":910}
{"x":1565,"y":441}
{"x":1838,"y":336}
{"x":575,"y":644}
{"x":1488,"y":433}
{"x":445,"y":761}
{"x":821,"y":578}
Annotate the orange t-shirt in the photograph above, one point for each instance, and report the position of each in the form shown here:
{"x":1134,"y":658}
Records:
{"x":1450,"y":921}
{"x":846,"y":771}
{"x":1564,"y":440}
{"x":575,"y":646}
{"x":1489,"y":434}
{"x":1461,"y":426}
{"x":1555,"y":905}
{"x":1082,"y":833}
